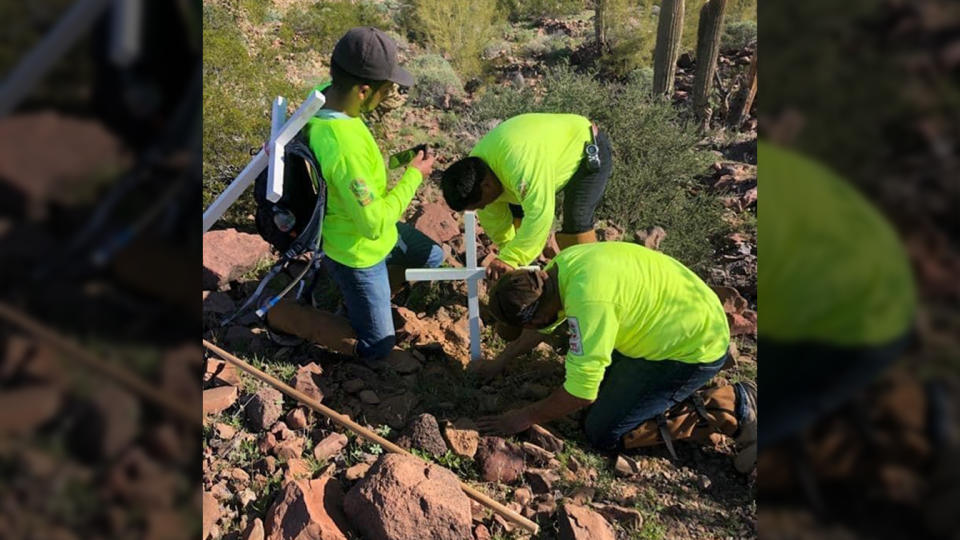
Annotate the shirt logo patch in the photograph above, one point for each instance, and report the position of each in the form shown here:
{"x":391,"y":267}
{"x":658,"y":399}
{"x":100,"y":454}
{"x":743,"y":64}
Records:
{"x":361,"y":191}
{"x":576,"y":343}
{"x":522,"y":188}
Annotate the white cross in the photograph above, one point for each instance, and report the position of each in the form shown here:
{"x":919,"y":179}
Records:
{"x":281,"y":132}
{"x":125,"y":44}
{"x":472,"y":273}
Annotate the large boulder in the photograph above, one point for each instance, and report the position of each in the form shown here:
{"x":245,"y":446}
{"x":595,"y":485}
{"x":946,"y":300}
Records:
{"x":402,"y":497}
{"x":228,"y":254}
{"x":308,"y":510}
{"x":580,"y":523}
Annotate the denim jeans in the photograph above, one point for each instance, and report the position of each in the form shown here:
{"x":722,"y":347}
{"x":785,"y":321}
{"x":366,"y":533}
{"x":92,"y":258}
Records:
{"x":366,"y":291}
{"x":635,"y":390}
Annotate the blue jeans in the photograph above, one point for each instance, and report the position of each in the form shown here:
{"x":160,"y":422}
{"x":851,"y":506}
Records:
{"x":635,"y":390}
{"x":366,"y":291}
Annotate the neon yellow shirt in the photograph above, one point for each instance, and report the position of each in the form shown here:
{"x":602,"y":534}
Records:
{"x":832,"y":269}
{"x":360,"y":226}
{"x":639,"y":302}
{"x":534,"y":156}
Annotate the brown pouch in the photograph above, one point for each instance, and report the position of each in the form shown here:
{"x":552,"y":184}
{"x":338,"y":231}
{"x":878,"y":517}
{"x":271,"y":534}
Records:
{"x":704,"y":413}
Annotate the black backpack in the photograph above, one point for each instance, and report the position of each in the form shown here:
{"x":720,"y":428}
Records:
{"x":293,"y":225}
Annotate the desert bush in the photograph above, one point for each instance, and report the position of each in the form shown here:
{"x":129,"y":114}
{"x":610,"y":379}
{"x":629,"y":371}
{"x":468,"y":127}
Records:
{"x":459,"y":28}
{"x":737,"y":11}
{"x":531,"y":9}
{"x":317,"y":27}
{"x":738,"y":35}
{"x":656,"y":156}
{"x":436,"y":80}
{"x":627,"y":32}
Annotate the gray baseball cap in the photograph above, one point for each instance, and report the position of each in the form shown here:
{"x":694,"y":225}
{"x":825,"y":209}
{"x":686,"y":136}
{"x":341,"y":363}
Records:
{"x":368,"y":53}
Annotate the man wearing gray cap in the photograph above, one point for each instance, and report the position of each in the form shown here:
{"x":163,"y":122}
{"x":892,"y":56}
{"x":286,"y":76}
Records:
{"x":366,"y":246}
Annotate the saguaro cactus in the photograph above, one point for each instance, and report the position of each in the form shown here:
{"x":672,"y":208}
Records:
{"x":600,"y":24}
{"x":669,"y":32}
{"x":747,"y":94}
{"x":708,"y":47}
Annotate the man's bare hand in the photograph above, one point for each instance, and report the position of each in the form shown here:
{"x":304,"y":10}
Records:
{"x":497,"y":269}
{"x":486,"y":369}
{"x":507,"y":423}
{"x":424,"y":162}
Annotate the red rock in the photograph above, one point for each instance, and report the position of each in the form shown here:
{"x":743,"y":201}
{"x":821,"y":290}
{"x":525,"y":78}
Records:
{"x":500,"y":461}
{"x":254,"y":530}
{"x":221,"y":372}
{"x":26,"y":165}
{"x":609,"y":234}
{"x":215,"y":400}
{"x":228,"y":254}
{"x":26,"y":408}
{"x":296,"y":469}
{"x":463,"y":442}
{"x":330,"y":446}
{"x":438,"y":222}
{"x":369,"y":397}
{"x":404,"y":497}
{"x":289,"y":448}
{"x":742,"y":323}
{"x":580,"y":523}
{"x":480,"y":532}
{"x":308,"y":510}
{"x":211,"y":513}
{"x":522,"y":496}
{"x":264,"y":408}
{"x":541,"y":480}
{"x":731,"y":299}
{"x":307,"y":379}
{"x":651,"y":237}
{"x":425,"y":435}
{"x":536,"y":453}
{"x":356,"y":472}
{"x":541,"y":437}
{"x":629,"y":518}
{"x":297,"y":418}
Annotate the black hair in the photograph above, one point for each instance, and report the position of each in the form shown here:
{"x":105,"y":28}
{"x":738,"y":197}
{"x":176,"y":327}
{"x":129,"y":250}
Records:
{"x":462,"y":181}
{"x":341,"y":80}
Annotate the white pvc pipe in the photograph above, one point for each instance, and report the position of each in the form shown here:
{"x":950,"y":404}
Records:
{"x":443,"y":274}
{"x":126,"y":32}
{"x":293,"y":126}
{"x":473,"y":300}
{"x":78,"y":19}
{"x":234,"y":190}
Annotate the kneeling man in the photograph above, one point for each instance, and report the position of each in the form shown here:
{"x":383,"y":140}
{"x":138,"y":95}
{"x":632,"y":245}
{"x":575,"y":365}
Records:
{"x":645,"y":335}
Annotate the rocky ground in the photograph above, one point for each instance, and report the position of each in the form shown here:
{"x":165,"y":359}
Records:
{"x":264,"y":453}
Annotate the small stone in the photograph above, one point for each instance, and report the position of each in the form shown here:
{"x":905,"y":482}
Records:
{"x":239,"y":476}
{"x":625,"y":466}
{"x":329,"y":446}
{"x":246,"y":497}
{"x":425,"y":435}
{"x":544,"y":439}
{"x":297,"y":418}
{"x":704,"y":482}
{"x":541,"y":509}
{"x":289,"y":448}
{"x":536,"y":453}
{"x":216,"y":400}
{"x":541,"y":480}
{"x":500,"y":461}
{"x":353,"y":386}
{"x":296,"y":469}
{"x":403,"y":362}
{"x":357,"y":471}
{"x":369,"y":397}
{"x":254,"y":530}
{"x":264,"y":408}
{"x":480,"y":532}
{"x":306,"y":380}
{"x":462,"y":441}
{"x":224,"y":431}
{"x":629,"y":518}
{"x":580,"y":523}
{"x":522,"y":496}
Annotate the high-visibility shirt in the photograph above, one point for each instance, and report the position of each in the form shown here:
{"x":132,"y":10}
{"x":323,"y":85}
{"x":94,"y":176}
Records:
{"x":360,"y":224}
{"x":639,"y":302}
{"x":832,"y":268}
{"x":534,"y":155}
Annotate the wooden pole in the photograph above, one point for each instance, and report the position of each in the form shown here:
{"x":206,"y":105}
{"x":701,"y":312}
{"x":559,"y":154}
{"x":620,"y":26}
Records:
{"x":125,"y":378}
{"x":346,"y":423}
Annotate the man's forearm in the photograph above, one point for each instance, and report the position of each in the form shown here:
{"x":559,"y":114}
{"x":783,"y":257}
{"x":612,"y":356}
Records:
{"x":557,"y":405}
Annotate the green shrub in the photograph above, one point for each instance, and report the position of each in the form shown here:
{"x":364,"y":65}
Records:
{"x":534,"y":9}
{"x":656,"y":157}
{"x":738,"y":35}
{"x":737,"y":11}
{"x":641,"y":77}
{"x":630,"y":33}
{"x":436,"y":79}
{"x":317,"y":27}
{"x":458,"y":28}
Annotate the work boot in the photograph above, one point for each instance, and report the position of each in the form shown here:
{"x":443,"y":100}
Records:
{"x":565,"y":240}
{"x":746,"y":437}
